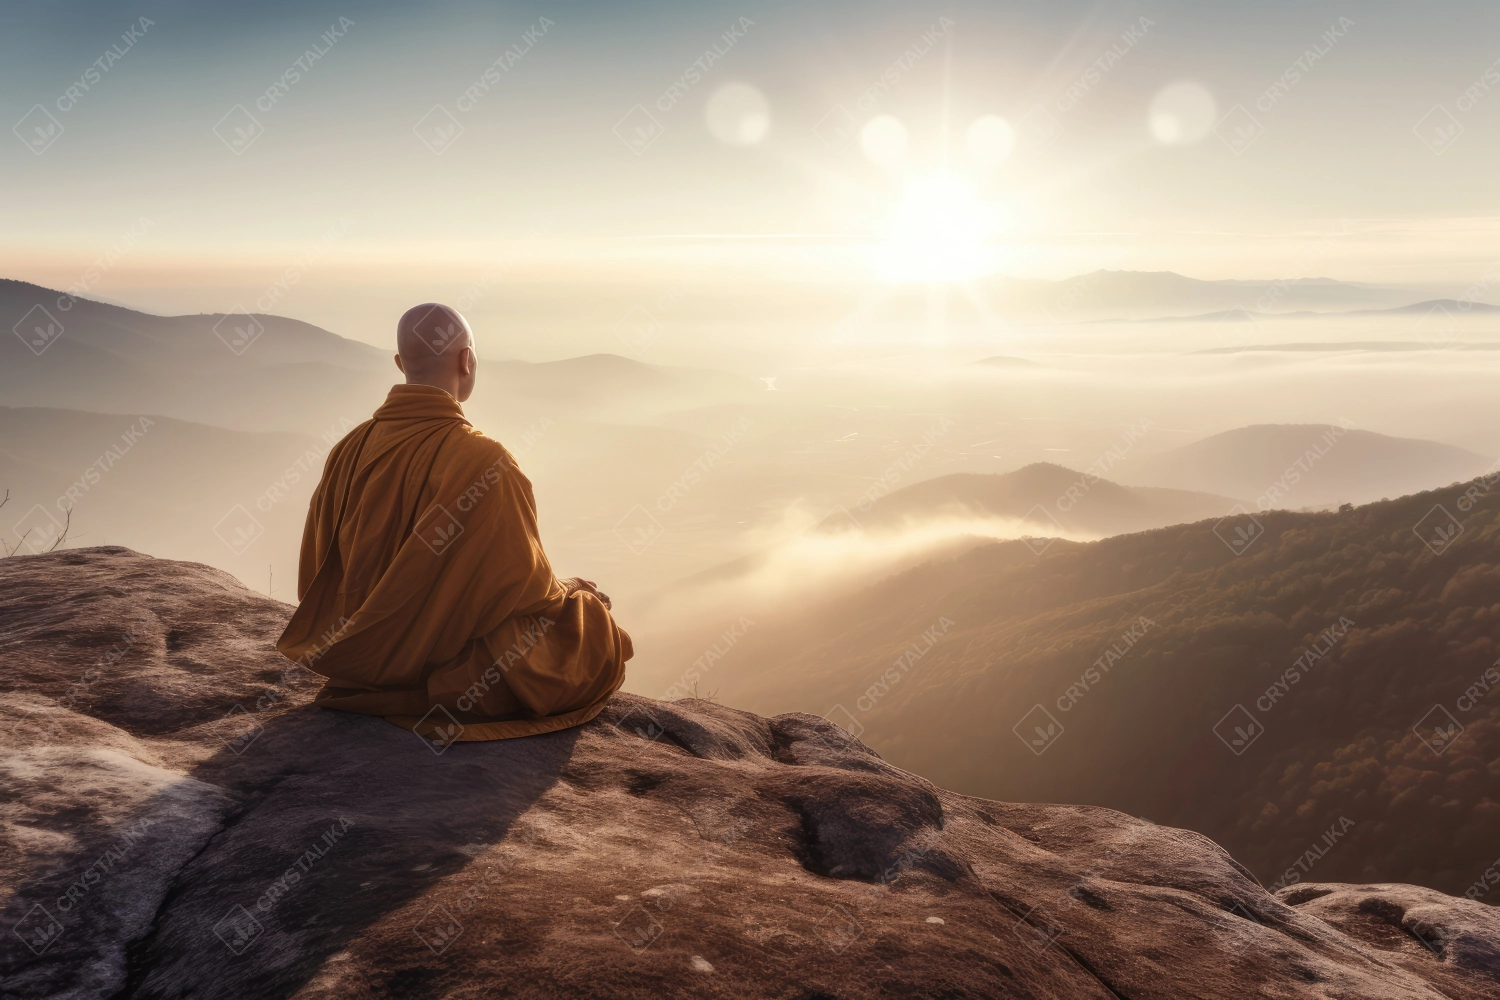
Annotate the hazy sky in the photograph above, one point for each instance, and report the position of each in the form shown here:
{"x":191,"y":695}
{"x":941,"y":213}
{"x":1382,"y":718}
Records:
{"x":1375,"y":121}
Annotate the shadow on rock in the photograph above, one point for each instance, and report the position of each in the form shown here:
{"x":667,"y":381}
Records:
{"x":344,"y":819}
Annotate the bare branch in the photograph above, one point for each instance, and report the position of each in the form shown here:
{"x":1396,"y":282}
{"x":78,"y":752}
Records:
{"x":66,"y":525}
{"x":12,"y":550}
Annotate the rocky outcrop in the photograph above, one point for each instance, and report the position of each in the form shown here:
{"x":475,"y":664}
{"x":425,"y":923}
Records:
{"x":178,"y":821}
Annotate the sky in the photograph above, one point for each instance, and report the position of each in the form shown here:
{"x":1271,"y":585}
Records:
{"x":387,"y":153}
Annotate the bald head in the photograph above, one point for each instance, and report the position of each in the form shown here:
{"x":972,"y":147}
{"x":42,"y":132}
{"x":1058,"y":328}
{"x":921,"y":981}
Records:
{"x":434,"y":346}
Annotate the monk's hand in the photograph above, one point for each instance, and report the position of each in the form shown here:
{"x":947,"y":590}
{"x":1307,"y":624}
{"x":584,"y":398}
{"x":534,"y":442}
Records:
{"x":577,"y":583}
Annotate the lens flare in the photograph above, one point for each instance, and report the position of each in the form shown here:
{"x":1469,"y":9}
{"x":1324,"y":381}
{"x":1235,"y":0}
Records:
{"x":1181,"y":113}
{"x":738,"y":114}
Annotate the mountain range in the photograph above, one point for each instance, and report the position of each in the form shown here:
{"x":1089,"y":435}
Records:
{"x":285,"y":375}
{"x":1304,"y":465}
{"x":996,"y":629}
{"x":1254,"y":677}
{"x":1043,"y":498}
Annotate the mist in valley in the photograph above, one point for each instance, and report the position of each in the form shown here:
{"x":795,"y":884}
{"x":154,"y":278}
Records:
{"x":1143,"y":459}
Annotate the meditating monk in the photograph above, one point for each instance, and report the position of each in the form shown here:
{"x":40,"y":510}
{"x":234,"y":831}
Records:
{"x":424,"y":592}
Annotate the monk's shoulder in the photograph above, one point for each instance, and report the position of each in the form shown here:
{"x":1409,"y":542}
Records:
{"x":491,"y":452}
{"x":355,"y":433}
{"x":482,"y":450}
{"x":344,"y":447}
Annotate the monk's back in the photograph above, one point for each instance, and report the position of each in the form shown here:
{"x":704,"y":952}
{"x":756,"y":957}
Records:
{"x":384,"y":474}
{"x":422,"y":574}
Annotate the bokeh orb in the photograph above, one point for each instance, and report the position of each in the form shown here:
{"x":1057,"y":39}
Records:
{"x":738,"y":114}
{"x":883,"y":140}
{"x":990,"y":140}
{"x":1182,"y":113}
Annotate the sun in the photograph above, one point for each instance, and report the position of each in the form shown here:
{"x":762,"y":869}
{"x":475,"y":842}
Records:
{"x":940,"y":232}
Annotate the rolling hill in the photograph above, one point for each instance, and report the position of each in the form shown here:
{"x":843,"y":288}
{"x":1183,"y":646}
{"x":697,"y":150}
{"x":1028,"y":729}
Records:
{"x":1073,"y":501}
{"x":281,"y":374}
{"x":1351,"y":660}
{"x":286,"y":376}
{"x":1288,"y":466}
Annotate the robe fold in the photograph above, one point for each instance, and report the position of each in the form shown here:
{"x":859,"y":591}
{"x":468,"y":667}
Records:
{"x":425,"y":596}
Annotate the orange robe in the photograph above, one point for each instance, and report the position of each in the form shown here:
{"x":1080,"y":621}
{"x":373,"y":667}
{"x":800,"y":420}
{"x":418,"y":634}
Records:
{"x":424,"y":592}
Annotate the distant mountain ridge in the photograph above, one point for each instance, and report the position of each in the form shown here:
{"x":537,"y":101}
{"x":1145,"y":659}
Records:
{"x":1121,"y":673}
{"x":282,"y":375}
{"x":1290,"y":466}
{"x":1046,"y":498}
{"x":278,"y":373}
{"x":203,"y":340}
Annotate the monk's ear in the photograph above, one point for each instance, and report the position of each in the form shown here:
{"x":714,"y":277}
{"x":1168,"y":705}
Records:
{"x":399,"y":366}
{"x":468,"y":361}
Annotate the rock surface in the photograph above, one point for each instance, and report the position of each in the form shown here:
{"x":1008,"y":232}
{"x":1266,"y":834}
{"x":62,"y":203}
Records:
{"x":178,"y":821}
